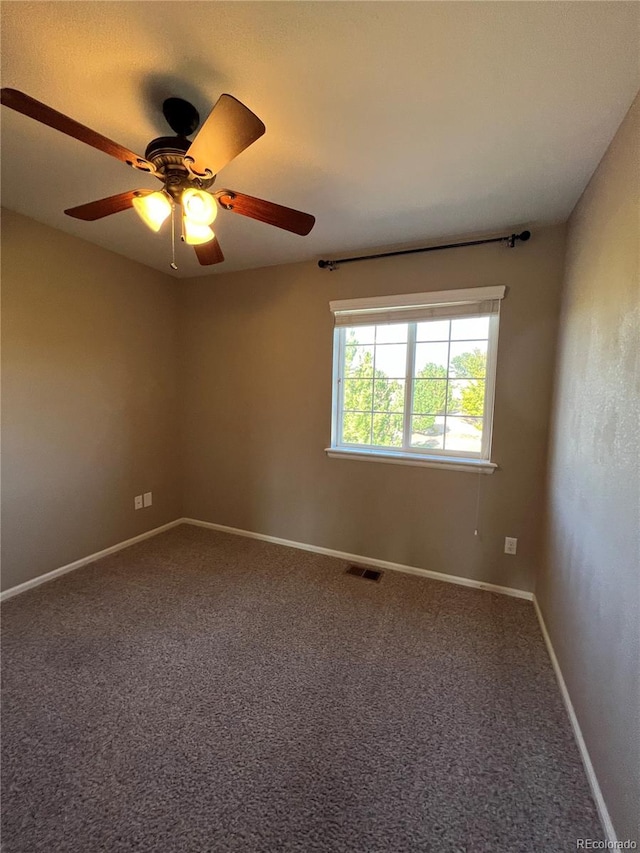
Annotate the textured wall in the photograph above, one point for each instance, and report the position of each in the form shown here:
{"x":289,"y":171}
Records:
{"x":256,"y":378}
{"x":589,"y":589}
{"x":89,"y":398}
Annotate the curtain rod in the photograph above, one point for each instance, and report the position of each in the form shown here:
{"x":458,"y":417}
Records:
{"x":509,"y":239}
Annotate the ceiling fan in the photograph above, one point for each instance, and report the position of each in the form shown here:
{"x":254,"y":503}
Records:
{"x":186,"y":168}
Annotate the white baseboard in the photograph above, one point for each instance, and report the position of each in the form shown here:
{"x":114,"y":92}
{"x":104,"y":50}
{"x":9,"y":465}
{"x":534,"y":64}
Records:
{"x":302,"y":546}
{"x":83,"y":561}
{"x":371,"y":561}
{"x":596,"y":792}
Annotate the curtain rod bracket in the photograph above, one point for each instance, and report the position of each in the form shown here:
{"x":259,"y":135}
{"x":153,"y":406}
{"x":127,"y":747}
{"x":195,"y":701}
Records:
{"x":330,"y":265}
{"x":509,"y":239}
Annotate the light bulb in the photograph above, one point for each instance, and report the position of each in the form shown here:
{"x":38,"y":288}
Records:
{"x":153,"y":209}
{"x":199,"y":206}
{"x":195,"y":234}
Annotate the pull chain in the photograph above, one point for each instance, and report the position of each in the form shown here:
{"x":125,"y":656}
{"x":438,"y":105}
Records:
{"x":173,"y":264}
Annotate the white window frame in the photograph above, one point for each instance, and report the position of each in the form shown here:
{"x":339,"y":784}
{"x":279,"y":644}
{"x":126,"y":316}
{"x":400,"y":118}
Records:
{"x":412,"y":309}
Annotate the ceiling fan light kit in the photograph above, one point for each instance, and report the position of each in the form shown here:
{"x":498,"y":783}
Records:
{"x":186,"y":168}
{"x":198,"y":212}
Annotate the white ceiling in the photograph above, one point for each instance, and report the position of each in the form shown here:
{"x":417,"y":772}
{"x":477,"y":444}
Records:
{"x":392,"y":122}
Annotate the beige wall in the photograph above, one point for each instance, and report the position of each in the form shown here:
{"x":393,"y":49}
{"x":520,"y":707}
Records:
{"x":589,"y":589}
{"x":256,"y":377}
{"x":90,"y":362}
{"x":89,"y":398}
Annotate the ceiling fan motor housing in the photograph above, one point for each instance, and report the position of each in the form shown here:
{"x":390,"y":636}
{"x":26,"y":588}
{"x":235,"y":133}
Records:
{"x":167,"y":155}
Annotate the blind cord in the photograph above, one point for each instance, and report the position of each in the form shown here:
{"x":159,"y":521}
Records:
{"x":476,"y":531}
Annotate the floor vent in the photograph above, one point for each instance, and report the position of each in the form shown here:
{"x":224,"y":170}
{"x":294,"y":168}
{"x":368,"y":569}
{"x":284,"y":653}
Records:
{"x":363,"y":572}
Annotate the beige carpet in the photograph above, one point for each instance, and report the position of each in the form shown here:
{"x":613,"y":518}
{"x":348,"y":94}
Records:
{"x":204,"y":692}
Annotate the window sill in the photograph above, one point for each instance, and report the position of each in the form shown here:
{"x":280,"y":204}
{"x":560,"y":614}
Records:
{"x":451,"y":463}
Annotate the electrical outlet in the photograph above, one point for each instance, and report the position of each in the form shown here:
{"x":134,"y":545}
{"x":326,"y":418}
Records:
{"x":510,"y":545}
{"x":137,"y":502}
{"x":147,"y":499}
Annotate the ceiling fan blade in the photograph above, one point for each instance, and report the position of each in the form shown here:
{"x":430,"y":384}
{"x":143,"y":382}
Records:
{"x":229,"y":128}
{"x":46,"y":115}
{"x":105,"y":206}
{"x":266,"y":211}
{"x":209,"y":253}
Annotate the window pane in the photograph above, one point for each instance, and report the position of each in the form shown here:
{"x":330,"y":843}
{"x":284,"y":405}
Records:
{"x":387,"y":430}
{"x":468,"y":359}
{"x":466,"y":397}
{"x":358,"y":361}
{"x":358,"y":394}
{"x":463,"y":434}
{"x":388,"y":395}
{"x":433,"y":330}
{"x":361,"y":335}
{"x":431,"y":360}
{"x":427,"y":431}
{"x":356,"y":428}
{"x":395,"y":333}
{"x":429,"y":396}
{"x":391,"y":359}
{"x":469,"y":328}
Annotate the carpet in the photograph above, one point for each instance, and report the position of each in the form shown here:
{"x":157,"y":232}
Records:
{"x":205,"y":692}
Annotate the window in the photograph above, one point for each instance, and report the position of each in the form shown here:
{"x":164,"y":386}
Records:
{"x":414,"y":378}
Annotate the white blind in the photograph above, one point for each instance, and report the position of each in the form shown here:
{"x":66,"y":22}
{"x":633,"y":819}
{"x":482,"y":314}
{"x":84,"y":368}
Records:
{"x":414,"y":307}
